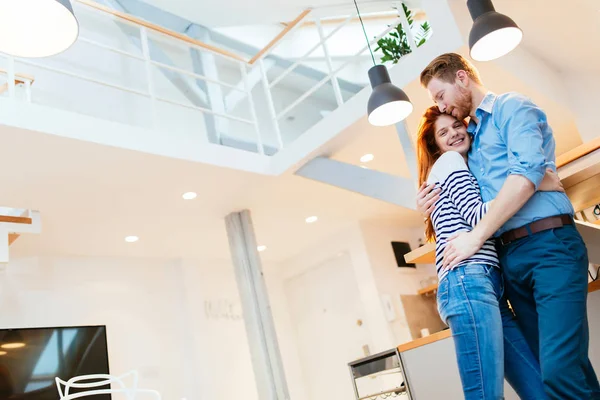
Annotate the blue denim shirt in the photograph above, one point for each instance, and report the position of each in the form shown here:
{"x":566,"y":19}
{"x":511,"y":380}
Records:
{"x":513,"y":137}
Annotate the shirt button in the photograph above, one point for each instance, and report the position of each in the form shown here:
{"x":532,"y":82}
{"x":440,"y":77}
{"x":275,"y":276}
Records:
{"x":478,"y":149}
{"x":481,"y":170}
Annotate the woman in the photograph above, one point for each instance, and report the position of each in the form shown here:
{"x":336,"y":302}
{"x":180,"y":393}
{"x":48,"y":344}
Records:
{"x":488,"y":342}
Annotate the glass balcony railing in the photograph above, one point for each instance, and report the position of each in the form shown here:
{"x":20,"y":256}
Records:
{"x":130,"y":71}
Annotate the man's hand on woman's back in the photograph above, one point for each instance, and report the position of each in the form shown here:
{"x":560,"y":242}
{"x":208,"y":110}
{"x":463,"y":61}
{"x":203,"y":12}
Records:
{"x":426,"y":199}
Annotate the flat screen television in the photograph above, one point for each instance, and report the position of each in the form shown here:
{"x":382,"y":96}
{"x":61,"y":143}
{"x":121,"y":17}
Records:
{"x":400,"y":249}
{"x":31,"y":358}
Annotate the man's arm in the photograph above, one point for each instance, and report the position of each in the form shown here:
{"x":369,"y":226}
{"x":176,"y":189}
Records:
{"x":515,"y":192}
{"x":521,"y":124}
{"x":427,"y":196}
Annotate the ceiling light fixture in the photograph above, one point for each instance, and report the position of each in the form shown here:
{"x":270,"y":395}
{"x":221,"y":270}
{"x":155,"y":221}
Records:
{"x":388,"y":104}
{"x":13,"y":345}
{"x":37,"y":28}
{"x":367,"y":158}
{"x":189,"y":195}
{"x":3,"y":353}
{"x":12,"y":340}
{"x":261,"y":248}
{"x":132,"y":239}
{"x":312,"y":219}
{"x":493,"y":35}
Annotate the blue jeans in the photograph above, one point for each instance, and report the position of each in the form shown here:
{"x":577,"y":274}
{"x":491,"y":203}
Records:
{"x":489,"y":344}
{"x":546,"y":282}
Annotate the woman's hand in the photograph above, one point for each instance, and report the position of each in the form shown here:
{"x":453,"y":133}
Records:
{"x":551,"y":182}
{"x":426,"y":198}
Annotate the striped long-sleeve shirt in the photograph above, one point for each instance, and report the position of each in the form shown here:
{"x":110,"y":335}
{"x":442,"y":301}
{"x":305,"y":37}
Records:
{"x":459,"y":208}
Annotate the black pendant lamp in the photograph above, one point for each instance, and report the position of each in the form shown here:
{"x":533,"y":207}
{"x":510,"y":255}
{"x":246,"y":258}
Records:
{"x":493,"y":34}
{"x":37,"y":28}
{"x":388,"y":104}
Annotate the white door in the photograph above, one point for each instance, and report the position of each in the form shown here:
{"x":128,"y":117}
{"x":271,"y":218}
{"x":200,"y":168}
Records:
{"x":326,"y":314}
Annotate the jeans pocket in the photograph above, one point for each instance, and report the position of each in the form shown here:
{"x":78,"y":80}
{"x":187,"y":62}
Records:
{"x":443,"y":298}
{"x":477,"y":269}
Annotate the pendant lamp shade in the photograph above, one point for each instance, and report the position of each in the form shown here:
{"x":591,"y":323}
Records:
{"x":37,"y":28}
{"x":388,"y":104}
{"x":493,"y":35}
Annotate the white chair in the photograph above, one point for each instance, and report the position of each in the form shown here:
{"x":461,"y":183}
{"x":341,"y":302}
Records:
{"x":99,"y":380}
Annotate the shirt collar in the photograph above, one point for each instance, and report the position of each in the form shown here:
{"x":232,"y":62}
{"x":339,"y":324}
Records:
{"x":486,"y":106}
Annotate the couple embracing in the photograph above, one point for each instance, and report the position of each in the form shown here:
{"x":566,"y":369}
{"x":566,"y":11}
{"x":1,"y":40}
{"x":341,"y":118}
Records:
{"x":511,"y":264}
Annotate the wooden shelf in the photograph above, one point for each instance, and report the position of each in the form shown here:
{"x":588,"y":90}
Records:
{"x":431,"y":289}
{"x":15,"y":220}
{"x":579,"y":171}
{"x":425,"y":340}
{"x":12,"y":237}
{"x":592,"y":287}
{"x":423,"y":255}
{"x":577,"y":153}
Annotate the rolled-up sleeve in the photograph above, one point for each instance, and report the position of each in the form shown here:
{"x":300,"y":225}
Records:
{"x":521,"y":123}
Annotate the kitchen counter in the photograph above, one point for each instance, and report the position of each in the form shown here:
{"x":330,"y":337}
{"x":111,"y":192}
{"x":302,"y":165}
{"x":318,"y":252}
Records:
{"x":432,"y":358}
{"x":592,"y":287}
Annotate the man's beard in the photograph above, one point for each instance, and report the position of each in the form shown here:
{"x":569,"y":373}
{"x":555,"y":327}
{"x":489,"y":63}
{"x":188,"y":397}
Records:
{"x":464,"y":103}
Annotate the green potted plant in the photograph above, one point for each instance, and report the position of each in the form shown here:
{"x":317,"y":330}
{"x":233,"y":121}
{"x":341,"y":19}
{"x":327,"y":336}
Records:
{"x":395,"y":44}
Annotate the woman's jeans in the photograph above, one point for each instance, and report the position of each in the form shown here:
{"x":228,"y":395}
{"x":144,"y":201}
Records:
{"x":489,"y":344}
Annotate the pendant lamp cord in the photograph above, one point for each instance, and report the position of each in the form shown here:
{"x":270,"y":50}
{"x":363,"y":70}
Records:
{"x":365,"y":32}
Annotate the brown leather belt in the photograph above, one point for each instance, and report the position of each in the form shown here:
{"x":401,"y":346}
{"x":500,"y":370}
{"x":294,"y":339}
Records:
{"x":535,"y":227}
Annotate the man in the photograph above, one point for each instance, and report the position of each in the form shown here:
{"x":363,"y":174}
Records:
{"x":543,"y":257}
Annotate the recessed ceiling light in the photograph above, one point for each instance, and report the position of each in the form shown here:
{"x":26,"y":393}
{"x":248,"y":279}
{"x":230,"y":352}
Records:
{"x":131,"y":239}
{"x":189,"y":195}
{"x":3,"y":353}
{"x":312,"y":219}
{"x":17,"y":345}
{"x":367,"y":158}
{"x":261,"y":248}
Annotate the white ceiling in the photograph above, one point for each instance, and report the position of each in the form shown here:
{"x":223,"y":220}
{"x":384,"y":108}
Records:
{"x":215,"y":13}
{"x":566,"y":35}
{"x":92,"y":196}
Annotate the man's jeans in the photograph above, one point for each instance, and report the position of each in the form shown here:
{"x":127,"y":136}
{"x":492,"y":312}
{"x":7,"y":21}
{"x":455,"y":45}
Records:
{"x":489,"y":344}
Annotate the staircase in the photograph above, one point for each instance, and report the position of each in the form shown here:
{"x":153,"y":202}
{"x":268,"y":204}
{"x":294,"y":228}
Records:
{"x":198,"y":95}
{"x":13,"y":223}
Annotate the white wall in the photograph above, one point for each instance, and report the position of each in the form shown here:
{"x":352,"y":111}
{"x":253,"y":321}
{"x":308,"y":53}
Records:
{"x":156,"y":317}
{"x":350,"y":244}
{"x":582,"y":95}
{"x":179,"y":322}
{"x":368,"y":247}
{"x":390,"y":279}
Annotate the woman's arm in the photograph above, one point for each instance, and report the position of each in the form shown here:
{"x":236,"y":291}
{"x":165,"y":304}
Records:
{"x":465,"y":195}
